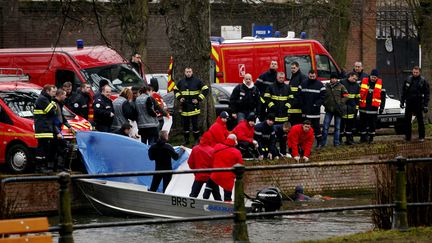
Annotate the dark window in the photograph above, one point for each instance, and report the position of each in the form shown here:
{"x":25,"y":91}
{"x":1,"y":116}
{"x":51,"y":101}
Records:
{"x":4,"y":118}
{"x":304,"y":62}
{"x":325,"y":66}
{"x":63,"y":76}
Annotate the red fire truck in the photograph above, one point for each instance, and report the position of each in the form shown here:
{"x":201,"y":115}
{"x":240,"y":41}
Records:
{"x":75,"y":64}
{"x":231,"y":59}
{"x":17,"y":99}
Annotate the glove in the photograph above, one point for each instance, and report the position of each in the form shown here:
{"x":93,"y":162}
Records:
{"x":255,"y":143}
{"x":425,"y":109}
{"x":261,"y":157}
{"x":402,"y":105}
{"x":381,"y":111}
{"x":276,"y":157}
{"x":288,"y":156}
{"x":270,"y":156}
{"x":297,"y":158}
{"x":306,"y":159}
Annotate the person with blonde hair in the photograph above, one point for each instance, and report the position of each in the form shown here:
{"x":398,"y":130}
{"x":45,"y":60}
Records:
{"x":123,"y":109}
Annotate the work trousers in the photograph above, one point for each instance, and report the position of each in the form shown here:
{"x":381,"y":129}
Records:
{"x":368,"y":123}
{"x":148,"y":135}
{"x":187,"y":120}
{"x":417,"y":110}
{"x":157,"y":179}
{"x":196,"y":188}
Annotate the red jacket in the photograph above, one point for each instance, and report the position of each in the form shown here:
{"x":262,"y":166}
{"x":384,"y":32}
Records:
{"x":244,"y":131}
{"x":218,"y":131}
{"x":225,"y":156}
{"x":297,"y":137}
{"x":201,"y":157}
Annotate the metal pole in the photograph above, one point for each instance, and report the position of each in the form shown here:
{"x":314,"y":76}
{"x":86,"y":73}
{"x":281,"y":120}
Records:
{"x":400,"y":218}
{"x":65,"y":215}
{"x":240,"y":233}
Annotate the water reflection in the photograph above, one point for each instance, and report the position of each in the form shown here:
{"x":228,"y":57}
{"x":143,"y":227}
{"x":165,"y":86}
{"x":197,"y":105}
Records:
{"x":282,"y":229}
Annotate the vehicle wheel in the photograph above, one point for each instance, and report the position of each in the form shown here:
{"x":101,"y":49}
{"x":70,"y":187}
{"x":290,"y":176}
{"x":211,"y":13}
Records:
{"x":18,"y":158}
{"x":399,"y":129}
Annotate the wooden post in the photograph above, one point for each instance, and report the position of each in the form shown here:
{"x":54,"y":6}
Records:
{"x":65,"y":214}
{"x":400,"y":218}
{"x":240,"y":233}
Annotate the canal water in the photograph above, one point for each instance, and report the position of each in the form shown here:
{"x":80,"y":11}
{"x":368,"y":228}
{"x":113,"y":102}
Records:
{"x":282,"y":229}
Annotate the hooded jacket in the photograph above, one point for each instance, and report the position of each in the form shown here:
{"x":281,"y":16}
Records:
{"x":244,"y":131}
{"x":201,"y":157}
{"x":297,"y":137}
{"x":218,"y":132}
{"x":225,"y":156}
{"x":335,"y":98}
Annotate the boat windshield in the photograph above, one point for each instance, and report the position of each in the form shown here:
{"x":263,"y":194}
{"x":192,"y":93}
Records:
{"x":118,"y":76}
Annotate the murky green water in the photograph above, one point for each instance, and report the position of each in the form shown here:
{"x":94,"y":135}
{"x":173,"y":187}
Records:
{"x":282,"y":229}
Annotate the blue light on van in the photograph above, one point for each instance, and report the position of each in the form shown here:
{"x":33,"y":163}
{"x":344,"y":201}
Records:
{"x":80,"y":44}
{"x":303,"y":35}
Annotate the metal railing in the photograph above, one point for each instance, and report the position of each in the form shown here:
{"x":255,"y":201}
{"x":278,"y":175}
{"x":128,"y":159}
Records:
{"x":240,"y":233}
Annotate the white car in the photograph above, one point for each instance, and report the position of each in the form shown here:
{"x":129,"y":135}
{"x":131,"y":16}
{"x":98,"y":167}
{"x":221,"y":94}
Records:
{"x":392,"y":116}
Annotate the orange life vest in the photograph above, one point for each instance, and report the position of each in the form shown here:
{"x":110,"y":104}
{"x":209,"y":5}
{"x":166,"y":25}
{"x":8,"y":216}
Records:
{"x":376,"y":95}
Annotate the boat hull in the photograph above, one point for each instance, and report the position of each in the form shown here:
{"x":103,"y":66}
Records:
{"x":126,"y":198}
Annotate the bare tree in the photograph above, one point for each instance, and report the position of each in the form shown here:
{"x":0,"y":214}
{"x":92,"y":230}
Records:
{"x":188,"y":34}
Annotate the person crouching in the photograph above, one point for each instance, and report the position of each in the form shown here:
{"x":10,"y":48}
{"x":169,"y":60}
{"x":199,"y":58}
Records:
{"x":225,"y":156}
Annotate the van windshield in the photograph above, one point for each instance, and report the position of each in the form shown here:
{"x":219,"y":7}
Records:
{"x":118,"y":76}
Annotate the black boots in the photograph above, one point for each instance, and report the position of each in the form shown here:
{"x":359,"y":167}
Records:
{"x":186,"y":139}
{"x":196,"y":136}
{"x":371,"y":138}
{"x":349,"y":139}
{"x":363,"y":138}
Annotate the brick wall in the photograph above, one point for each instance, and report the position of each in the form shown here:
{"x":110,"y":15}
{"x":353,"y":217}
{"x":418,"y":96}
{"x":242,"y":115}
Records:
{"x":329,"y":180}
{"x":37,"y":24}
{"x":361,"y":40}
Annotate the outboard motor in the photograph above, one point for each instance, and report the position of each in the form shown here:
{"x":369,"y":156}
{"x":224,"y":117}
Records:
{"x":267,"y":200}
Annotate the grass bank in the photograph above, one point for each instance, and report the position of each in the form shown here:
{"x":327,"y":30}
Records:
{"x":420,"y":234}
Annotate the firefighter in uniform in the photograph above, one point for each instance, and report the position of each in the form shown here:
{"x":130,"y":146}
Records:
{"x":265,"y":135}
{"x":349,"y":118}
{"x":297,"y":77}
{"x":262,"y":83}
{"x":415,"y":92}
{"x":190,"y":91}
{"x":372,"y":101}
{"x":276,"y":98}
{"x":44,"y":116}
{"x":103,"y":110}
{"x":244,"y":99}
{"x":312,"y":94}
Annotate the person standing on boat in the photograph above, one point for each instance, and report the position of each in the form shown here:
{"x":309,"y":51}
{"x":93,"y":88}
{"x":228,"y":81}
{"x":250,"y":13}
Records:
{"x":201,"y":157}
{"x":225,"y":155}
{"x":162,"y":152}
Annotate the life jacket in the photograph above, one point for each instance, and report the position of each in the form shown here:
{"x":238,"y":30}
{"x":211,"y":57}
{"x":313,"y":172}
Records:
{"x":376,"y":95}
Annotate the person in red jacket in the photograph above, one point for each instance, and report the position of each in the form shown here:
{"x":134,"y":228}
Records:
{"x":225,"y":155}
{"x":218,"y":130}
{"x":245,"y":133}
{"x":300,"y":140}
{"x":201,"y":157}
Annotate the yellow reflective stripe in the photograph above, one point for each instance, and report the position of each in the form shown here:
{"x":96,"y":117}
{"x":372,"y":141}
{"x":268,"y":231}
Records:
{"x":376,"y":100}
{"x":290,"y":96}
{"x":190,"y":113}
{"x":38,"y":112}
{"x":357,"y":95}
{"x":357,"y":107}
{"x":295,"y":89}
{"x":281,"y":98}
{"x":288,"y":105}
{"x":281,"y":119}
{"x":270,"y":104}
{"x":190,"y":92}
{"x":16,"y":134}
{"x":171,"y":86}
{"x":215,"y":54}
{"x":348,"y":116}
{"x":267,"y":95}
{"x":351,"y":96}
{"x":204,"y":87}
{"x":294,"y":111}
{"x":378,"y":86}
{"x":177,"y":95}
{"x":201,"y":96}
{"x":50,"y":106}
{"x":364,"y":86}
{"x":262,"y":100}
{"x":44,"y":135}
